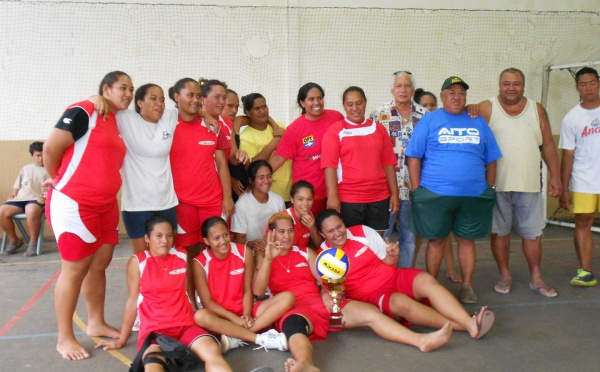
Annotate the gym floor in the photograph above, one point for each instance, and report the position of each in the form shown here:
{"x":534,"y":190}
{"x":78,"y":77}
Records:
{"x":531,"y":333}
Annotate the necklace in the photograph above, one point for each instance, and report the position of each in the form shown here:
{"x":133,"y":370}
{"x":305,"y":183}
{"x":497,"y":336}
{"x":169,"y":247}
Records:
{"x":288,"y":265}
{"x":157,"y":259}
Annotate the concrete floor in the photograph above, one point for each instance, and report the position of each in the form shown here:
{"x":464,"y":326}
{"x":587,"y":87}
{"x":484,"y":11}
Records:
{"x":531,"y":333}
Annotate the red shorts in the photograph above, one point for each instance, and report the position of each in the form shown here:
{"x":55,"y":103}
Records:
{"x":313,"y":309}
{"x":190,"y":219}
{"x":185,"y":334}
{"x":81,"y":230}
{"x":402,"y":282}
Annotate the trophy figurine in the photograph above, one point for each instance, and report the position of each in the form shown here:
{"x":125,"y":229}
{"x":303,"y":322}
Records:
{"x":332,"y":266}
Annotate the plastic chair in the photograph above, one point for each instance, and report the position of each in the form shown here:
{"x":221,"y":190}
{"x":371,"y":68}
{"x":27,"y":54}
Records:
{"x":18,"y":220}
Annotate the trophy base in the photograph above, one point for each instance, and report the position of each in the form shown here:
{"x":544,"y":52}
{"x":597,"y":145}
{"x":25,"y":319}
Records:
{"x":336,"y":321}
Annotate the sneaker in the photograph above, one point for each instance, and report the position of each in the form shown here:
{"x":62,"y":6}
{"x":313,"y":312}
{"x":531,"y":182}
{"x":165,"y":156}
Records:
{"x":228,"y":343}
{"x":11,"y":248}
{"x":31,"y":251}
{"x":272,"y":340}
{"x":467,"y":295}
{"x":584,"y":278}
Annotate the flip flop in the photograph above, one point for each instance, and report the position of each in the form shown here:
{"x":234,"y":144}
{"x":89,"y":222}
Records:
{"x":485,"y":320}
{"x":544,"y":291}
{"x":502,"y":288}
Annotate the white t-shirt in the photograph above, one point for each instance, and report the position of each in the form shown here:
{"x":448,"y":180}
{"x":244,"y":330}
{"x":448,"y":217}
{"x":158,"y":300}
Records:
{"x":29,"y":182}
{"x":252,"y":217}
{"x":147,"y":179}
{"x":581,"y":132}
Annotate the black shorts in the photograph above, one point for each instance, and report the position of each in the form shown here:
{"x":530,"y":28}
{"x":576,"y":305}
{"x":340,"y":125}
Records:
{"x":376,"y":215}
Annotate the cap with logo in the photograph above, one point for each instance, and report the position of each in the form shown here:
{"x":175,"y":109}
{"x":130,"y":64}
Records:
{"x":454,"y":80}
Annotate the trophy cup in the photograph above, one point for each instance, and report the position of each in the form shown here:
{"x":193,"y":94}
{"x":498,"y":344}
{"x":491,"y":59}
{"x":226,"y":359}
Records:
{"x":332,"y":266}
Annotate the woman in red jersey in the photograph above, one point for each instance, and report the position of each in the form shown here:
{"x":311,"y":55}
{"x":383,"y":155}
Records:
{"x":306,"y":233}
{"x":84,"y":154}
{"x":303,"y":139}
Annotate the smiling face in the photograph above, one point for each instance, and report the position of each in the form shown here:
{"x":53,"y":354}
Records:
{"x":454,"y":98}
{"x":232,"y":105}
{"x":160,"y":239}
{"x":120,"y":94}
{"x":215,"y":101}
{"x":313,"y":104}
{"x":261,"y":184}
{"x":403,"y":89}
{"x":355,"y":105}
{"x":334,"y":231}
{"x":218,"y":240}
{"x":152,"y":106}
{"x":302,"y":201}
{"x":259,"y":113}
{"x":284,"y":234}
{"x":511,"y":88}
{"x":188,"y":100}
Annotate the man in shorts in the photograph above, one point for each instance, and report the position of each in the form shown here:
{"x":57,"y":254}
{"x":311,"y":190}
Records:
{"x":522,"y":130}
{"x":452,"y":167}
{"x":580,"y":173}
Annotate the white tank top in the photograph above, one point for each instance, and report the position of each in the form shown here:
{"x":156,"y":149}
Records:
{"x":520,"y":140}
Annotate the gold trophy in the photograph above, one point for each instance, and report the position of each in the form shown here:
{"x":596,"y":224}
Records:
{"x":332,"y":266}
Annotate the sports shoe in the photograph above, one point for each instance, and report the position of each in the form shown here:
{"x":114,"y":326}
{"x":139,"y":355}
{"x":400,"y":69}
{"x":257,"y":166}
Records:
{"x":584,"y":278}
{"x":272,"y":340}
{"x":31,"y":251}
{"x":228,"y":343}
{"x":11,"y":248}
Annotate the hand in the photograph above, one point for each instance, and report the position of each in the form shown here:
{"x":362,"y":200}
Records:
{"x":100,"y":105}
{"x":565,"y":200}
{"x":333,"y":202}
{"x":110,"y":344}
{"x":237,"y":186}
{"x":392,"y":249}
{"x":259,"y":245}
{"x":45,"y":186}
{"x":212,"y":124}
{"x":239,"y":320}
{"x":473,"y":110}
{"x":242,"y":157}
{"x":308,"y":220}
{"x":278,"y":132}
{"x":555,"y":187}
{"x":249,"y":321}
{"x":228,"y":207}
{"x":272,"y":248}
{"x":327,"y":300}
{"x":394,"y":205}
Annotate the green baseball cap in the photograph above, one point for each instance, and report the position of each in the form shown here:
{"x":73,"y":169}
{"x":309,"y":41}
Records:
{"x":454,"y":80}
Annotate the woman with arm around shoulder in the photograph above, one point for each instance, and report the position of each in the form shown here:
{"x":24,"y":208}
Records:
{"x":365,"y":195}
{"x":82,"y":207}
{"x":253,"y":209}
{"x":302,"y":142}
{"x":156,"y":279}
{"x":198,"y":155}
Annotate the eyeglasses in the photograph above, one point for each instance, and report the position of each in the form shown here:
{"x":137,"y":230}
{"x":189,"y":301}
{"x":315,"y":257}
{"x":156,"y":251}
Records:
{"x":401,"y":72}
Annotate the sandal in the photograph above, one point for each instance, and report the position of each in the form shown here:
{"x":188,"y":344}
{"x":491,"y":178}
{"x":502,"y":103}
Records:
{"x":11,"y":248}
{"x":485,"y":320}
{"x":467,"y":295}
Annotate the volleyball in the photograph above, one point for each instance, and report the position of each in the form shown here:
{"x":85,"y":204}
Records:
{"x":332,"y":264}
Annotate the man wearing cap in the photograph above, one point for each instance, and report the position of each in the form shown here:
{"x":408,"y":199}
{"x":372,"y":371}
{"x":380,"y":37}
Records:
{"x":399,"y":116}
{"x":452,"y":166}
{"x":522,"y":130}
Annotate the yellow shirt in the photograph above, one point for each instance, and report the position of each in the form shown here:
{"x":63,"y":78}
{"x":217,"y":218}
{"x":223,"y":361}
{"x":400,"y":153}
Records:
{"x":253,"y":141}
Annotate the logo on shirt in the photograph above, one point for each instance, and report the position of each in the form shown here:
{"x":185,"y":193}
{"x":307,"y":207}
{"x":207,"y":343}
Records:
{"x":459,"y":136}
{"x":302,"y":264}
{"x":206,"y":143}
{"x":67,"y":121}
{"x":592,"y":129}
{"x":166,"y":135}
{"x":236,"y":272}
{"x":177,"y":271}
{"x":308,"y":141}
{"x":313,"y":157}
{"x":361,"y":251}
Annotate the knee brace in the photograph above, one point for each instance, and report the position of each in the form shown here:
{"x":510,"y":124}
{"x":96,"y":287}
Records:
{"x":295,"y":324}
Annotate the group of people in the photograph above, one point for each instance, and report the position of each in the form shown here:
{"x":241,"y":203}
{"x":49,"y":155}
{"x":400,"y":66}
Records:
{"x":467,"y":170}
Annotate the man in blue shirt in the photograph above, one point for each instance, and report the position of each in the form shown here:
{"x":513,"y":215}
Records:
{"x":452,"y":167}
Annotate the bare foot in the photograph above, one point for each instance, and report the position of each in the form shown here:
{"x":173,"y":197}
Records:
{"x":292,"y":365}
{"x":434,"y":340}
{"x":103,"y":330}
{"x":71,"y":350}
{"x":454,"y":276}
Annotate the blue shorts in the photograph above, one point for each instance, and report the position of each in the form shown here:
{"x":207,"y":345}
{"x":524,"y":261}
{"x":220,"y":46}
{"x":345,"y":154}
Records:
{"x":135,"y":221}
{"x":23,"y":204}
